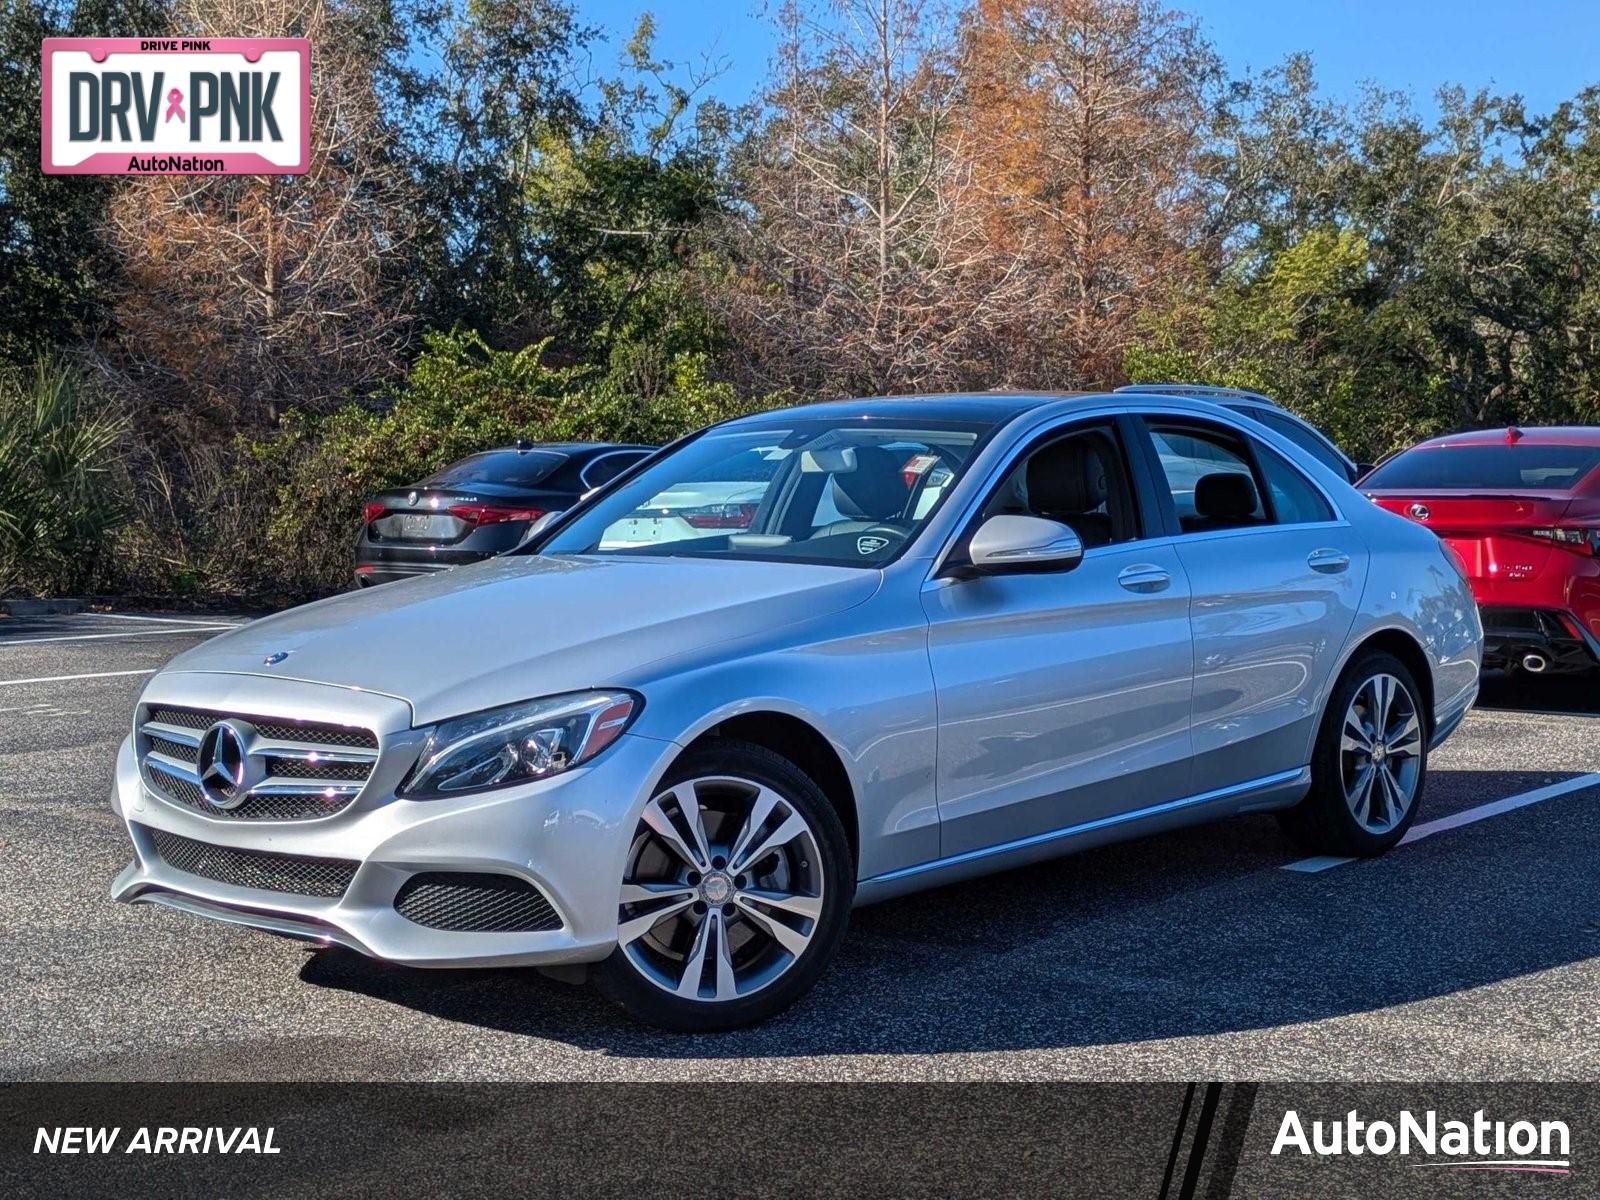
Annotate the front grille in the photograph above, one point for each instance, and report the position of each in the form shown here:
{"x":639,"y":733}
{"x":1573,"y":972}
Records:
{"x":471,"y":902}
{"x":297,"y":770}
{"x":292,"y":874}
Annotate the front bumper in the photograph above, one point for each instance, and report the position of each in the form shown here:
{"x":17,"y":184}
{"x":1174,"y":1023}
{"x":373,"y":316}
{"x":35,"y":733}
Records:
{"x":567,"y":836}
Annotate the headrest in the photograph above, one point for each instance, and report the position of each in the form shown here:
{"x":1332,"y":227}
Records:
{"x":875,"y":490}
{"x":1225,"y":496}
{"x":1067,"y":477}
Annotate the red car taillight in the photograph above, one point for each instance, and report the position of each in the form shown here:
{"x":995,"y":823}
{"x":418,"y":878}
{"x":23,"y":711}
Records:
{"x":373,"y":510}
{"x":720,"y":516}
{"x":1575,"y":537}
{"x":493,"y":514}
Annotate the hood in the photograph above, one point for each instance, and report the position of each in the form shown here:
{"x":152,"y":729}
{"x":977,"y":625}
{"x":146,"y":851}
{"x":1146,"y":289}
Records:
{"x":514,"y":628}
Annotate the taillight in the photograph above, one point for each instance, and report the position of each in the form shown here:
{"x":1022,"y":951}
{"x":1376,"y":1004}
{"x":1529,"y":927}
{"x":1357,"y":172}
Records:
{"x":493,"y":514}
{"x":1577,"y":537}
{"x":373,"y":510}
{"x":720,"y":516}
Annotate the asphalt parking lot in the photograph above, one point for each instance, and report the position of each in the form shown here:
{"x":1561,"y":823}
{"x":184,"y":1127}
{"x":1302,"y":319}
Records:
{"x":1471,"y":952}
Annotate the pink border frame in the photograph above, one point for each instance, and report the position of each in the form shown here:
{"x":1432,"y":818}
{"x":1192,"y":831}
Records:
{"x":114,"y":162}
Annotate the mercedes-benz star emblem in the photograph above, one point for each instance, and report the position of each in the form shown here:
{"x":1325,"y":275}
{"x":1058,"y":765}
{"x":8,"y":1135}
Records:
{"x":1419,"y":511}
{"x":274,"y":659}
{"x":221,"y":763}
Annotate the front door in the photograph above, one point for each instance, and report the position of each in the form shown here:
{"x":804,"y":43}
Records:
{"x":1063,"y":698}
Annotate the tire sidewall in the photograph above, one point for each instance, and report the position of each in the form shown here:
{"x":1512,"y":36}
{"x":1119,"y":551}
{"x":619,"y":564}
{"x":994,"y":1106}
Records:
{"x":619,"y":980}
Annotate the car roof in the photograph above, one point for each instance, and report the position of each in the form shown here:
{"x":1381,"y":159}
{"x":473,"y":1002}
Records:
{"x":1516,"y":435}
{"x":990,"y":407}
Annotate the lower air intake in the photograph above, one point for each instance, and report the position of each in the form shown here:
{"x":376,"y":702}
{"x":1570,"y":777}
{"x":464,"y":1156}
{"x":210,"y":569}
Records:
{"x":292,"y":874}
{"x":471,"y":902}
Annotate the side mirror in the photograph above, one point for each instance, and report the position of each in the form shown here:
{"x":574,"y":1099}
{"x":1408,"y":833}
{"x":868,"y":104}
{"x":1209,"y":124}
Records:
{"x":1017,"y":545}
{"x":1362,"y":471}
{"x":539,"y":526}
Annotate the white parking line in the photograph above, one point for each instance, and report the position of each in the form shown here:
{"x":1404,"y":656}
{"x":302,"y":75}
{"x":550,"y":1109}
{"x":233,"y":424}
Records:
{"x":207,"y":622}
{"x":90,"y":637}
{"x":1324,"y":862}
{"x":64,"y":678}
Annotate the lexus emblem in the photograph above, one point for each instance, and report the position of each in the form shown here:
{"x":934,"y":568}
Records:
{"x":1419,"y":511}
{"x":412,"y":499}
{"x":221,"y":763}
{"x":274,"y":659}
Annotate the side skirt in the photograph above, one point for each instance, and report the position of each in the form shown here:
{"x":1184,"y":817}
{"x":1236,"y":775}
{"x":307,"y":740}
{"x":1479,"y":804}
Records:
{"x":1255,"y":795}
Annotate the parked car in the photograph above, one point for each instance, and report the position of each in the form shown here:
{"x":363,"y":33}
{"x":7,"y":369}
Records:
{"x":1521,"y":510}
{"x":676,"y":765}
{"x":1271,"y":414}
{"x":480,"y":506}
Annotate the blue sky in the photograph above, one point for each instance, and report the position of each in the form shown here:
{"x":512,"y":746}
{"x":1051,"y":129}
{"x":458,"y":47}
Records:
{"x":1544,"y":49}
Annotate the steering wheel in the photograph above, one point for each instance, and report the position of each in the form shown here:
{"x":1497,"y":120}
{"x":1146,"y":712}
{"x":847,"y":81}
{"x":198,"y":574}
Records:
{"x":874,"y":538}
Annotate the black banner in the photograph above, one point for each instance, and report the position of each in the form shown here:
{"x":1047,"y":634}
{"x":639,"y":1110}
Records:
{"x":1163,"y":1141}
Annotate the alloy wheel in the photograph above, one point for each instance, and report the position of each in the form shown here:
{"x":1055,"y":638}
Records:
{"x":1380,"y":753}
{"x":723,"y":890}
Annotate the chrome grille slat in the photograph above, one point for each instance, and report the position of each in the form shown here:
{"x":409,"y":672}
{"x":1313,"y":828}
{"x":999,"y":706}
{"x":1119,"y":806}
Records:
{"x":304,"y":787}
{"x":173,"y":766}
{"x":302,"y":770}
{"x":174,"y":733}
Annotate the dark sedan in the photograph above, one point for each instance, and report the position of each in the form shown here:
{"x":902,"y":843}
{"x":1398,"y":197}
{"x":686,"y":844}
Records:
{"x":479,"y":506}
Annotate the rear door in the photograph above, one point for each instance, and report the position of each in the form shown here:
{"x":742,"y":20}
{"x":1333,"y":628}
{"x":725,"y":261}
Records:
{"x":1063,"y":698}
{"x":1276,"y":575}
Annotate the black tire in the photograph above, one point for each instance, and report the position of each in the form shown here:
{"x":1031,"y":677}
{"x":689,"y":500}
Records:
{"x":621,"y":981}
{"x":1324,"y":823}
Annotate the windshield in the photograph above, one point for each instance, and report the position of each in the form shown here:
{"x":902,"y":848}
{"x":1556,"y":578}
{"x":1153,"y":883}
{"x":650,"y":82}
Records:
{"x":824,"y":491}
{"x":1486,"y":468}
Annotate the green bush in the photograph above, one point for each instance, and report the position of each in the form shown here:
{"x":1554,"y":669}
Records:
{"x":61,"y":482}
{"x":461,"y":396}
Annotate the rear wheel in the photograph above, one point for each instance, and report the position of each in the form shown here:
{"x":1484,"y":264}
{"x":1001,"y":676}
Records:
{"x":735,"y":893}
{"x":1370,"y":762}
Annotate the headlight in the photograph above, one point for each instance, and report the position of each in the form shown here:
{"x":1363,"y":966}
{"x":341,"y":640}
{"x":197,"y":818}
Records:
{"x":519,"y":743}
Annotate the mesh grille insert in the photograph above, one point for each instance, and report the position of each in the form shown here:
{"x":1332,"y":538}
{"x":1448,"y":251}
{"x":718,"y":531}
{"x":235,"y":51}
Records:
{"x":472,"y":902}
{"x":175,"y":750}
{"x":292,"y":874}
{"x":299,"y":768}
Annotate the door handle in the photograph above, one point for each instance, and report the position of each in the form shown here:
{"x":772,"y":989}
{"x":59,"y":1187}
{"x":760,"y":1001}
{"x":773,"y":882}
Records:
{"x":1144,"y":577}
{"x":1329,"y":562}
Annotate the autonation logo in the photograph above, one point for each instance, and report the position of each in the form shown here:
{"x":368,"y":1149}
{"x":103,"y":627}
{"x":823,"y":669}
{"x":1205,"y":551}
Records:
{"x":1476,"y":1145}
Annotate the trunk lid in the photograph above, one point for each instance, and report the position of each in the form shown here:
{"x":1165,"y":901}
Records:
{"x":1489,"y":532}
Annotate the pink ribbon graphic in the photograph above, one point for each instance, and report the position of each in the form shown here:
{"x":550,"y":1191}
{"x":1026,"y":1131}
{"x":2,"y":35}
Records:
{"x":175,"y":105}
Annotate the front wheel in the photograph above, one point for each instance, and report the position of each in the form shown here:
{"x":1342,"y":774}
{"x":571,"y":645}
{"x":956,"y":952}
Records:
{"x":735,"y":893}
{"x":1370,"y":763}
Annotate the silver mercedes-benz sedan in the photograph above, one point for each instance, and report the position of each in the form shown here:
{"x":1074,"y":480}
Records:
{"x":934,"y":637}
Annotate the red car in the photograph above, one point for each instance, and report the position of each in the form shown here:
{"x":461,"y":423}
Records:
{"x":1521,"y":509}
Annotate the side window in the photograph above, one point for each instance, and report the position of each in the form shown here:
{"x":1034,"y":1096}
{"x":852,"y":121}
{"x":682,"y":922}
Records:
{"x":1294,"y":499}
{"x":1209,"y":473}
{"x":1306,"y":438}
{"x":607,"y":467}
{"x":1079,"y":479}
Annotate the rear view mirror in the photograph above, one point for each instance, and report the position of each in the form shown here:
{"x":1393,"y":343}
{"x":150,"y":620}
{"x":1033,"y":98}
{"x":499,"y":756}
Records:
{"x":1017,"y":544}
